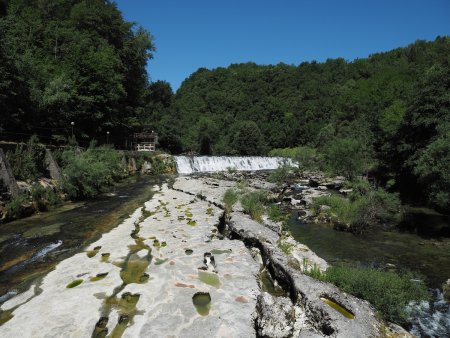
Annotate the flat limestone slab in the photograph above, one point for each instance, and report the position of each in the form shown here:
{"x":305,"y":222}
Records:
{"x":157,"y":251}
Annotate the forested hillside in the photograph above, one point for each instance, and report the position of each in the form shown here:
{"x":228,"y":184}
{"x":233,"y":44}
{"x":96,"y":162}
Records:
{"x":391,"y":108}
{"x":70,"y":60}
{"x":64,"y":61}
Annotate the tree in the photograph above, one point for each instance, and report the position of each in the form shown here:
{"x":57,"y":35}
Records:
{"x":432,"y":168}
{"x":347,"y":157}
{"x":247,"y":139}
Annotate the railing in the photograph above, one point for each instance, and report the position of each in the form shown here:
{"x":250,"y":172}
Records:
{"x":145,"y":147}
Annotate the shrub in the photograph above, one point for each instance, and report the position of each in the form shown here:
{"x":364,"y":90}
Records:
{"x":388,"y":292}
{"x":306,"y":157}
{"x":346,"y":156}
{"x":15,"y":207}
{"x":86,"y":174}
{"x":274,"y":212}
{"x":27,"y":161}
{"x":253,"y":203}
{"x":281,"y":174}
{"x":361,"y":211}
{"x":229,"y":199}
{"x":43,"y":197}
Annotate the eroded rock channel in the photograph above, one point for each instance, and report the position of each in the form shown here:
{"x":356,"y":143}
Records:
{"x":180,"y":267}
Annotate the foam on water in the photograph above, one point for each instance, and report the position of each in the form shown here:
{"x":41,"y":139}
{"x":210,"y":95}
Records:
{"x":201,"y":164}
{"x":430,"y":319}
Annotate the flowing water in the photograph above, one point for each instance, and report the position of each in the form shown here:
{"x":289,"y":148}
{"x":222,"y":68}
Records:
{"x":422,"y":246}
{"x":31,"y":247}
{"x":203,"y":164}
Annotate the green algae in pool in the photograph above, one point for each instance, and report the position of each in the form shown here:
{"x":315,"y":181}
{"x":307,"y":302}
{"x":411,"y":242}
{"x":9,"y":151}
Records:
{"x":91,"y":253}
{"x":5,"y":316}
{"x":98,"y":277}
{"x":266,"y":284}
{"x":134,"y":268}
{"x":74,"y":283}
{"x":343,"y":311}
{"x":192,"y":223}
{"x":105,"y":257}
{"x":121,"y":326}
{"x":209,"y":278}
{"x":202,"y":303}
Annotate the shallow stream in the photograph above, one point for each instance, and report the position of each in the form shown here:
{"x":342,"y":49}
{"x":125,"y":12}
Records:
{"x":421,"y":245}
{"x":31,"y":247}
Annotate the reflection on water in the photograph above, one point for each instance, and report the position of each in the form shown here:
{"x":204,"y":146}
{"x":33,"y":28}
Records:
{"x":427,"y":256}
{"x":31,"y":247}
{"x":422,"y":246}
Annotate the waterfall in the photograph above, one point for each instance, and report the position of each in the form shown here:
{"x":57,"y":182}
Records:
{"x":201,"y":164}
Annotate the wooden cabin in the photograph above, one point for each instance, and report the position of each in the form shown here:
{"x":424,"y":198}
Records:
{"x":147,"y":140}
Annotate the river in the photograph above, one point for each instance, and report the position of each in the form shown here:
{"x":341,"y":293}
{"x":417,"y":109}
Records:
{"x":31,"y":247}
{"x":422,"y":246}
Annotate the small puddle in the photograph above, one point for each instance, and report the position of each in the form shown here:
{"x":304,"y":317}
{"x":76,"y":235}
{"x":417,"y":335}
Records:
{"x":202,"y":302}
{"x":134,"y":268}
{"x":343,"y":311}
{"x":209,"y":278}
{"x":267,"y":284}
{"x":74,"y":283}
{"x":188,"y":252}
{"x":98,"y":277}
{"x":5,"y":316}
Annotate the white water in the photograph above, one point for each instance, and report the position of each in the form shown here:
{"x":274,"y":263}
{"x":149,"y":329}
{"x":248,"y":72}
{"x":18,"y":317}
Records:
{"x":430,"y":319}
{"x":202,"y":164}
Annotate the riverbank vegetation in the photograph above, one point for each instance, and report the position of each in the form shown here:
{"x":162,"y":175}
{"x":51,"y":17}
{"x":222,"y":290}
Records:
{"x":388,"y":292}
{"x":388,"y":113}
{"x":86,"y":173}
{"x":361,"y":210}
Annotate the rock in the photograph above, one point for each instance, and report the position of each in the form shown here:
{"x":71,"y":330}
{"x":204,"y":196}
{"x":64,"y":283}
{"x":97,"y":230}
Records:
{"x":295,"y":202}
{"x":275,"y":316}
{"x":396,"y":331}
{"x":146,"y":168}
{"x":322,"y":187}
{"x":446,"y":290}
{"x":324,"y":208}
{"x":345,"y":192}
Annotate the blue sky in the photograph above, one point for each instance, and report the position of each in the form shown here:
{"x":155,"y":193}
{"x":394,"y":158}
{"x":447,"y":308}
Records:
{"x":190,"y":34}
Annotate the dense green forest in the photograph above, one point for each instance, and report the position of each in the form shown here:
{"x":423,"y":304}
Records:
{"x":64,"y":61}
{"x":389,"y":113}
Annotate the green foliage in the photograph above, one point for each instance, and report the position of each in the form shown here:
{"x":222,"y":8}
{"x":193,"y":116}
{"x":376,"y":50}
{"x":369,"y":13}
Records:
{"x":346,"y":157}
{"x":27,"y":161}
{"x":254,"y":202}
{"x":281,"y":174}
{"x":88,"y":172}
{"x":388,"y":292}
{"x":304,"y":156}
{"x":432,"y":167}
{"x":366,"y":208}
{"x":275,"y":213}
{"x":230,"y":197}
{"x":71,"y":61}
{"x":43,"y":197}
{"x":247,"y":139}
{"x":15,"y":207}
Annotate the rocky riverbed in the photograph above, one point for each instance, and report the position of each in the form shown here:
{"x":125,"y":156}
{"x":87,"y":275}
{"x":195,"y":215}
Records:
{"x":180,"y":267}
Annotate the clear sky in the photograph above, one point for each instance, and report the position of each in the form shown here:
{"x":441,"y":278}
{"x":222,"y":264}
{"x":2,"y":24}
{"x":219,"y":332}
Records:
{"x":190,"y":34}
